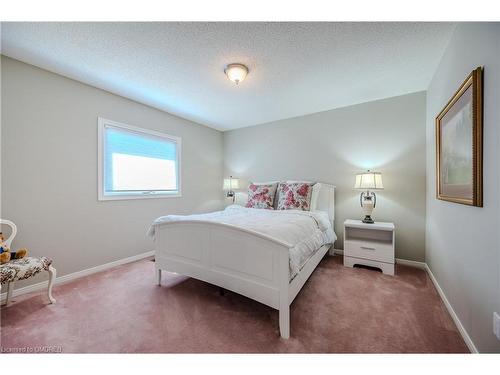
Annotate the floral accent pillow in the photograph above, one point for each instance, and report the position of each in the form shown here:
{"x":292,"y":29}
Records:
{"x":261,"y":196}
{"x":295,"y":196}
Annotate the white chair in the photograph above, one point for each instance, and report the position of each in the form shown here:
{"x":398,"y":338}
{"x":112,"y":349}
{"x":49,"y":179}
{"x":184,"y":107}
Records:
{"x":24,"y":268}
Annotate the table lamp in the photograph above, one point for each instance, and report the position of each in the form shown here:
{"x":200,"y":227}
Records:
{"x":368,"y":181}
{"x":230,"y":184}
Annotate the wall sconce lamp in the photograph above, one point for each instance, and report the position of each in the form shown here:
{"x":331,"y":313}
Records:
{"x":230,"y":184}
{"x":368,"y":200}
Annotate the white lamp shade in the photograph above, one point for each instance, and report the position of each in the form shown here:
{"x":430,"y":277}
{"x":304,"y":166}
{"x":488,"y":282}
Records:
{"x":369,"y":180}
{"x":231,"y":183}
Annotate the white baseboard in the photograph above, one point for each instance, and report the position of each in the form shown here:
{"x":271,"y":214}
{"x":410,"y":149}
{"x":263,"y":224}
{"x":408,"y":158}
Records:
{"x":454,"y":316}
{"x":75,"y":275}
{"x":411,"y":263}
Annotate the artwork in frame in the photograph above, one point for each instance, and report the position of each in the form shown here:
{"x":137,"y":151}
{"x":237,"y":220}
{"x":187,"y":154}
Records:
{"x":459,"y":144}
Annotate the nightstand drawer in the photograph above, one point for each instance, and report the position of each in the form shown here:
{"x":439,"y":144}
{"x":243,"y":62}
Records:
{"x":372,"y":250}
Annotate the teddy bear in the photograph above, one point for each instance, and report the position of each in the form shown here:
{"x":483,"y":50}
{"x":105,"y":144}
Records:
{"x":5,"y":253}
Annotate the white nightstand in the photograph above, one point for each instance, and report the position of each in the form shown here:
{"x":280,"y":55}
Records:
{"x":369,"y":244}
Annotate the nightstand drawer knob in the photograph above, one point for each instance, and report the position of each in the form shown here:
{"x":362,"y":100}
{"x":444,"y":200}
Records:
{"x":368,"y":248}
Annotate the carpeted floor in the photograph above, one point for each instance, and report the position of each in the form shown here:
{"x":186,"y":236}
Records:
{"x":339,"y":310}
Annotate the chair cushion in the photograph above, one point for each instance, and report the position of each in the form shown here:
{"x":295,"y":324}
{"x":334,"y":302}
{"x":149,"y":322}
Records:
{"x":20,"y":269}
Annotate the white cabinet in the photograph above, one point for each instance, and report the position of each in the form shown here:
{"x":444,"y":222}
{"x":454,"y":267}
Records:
{"x":369,"y":244}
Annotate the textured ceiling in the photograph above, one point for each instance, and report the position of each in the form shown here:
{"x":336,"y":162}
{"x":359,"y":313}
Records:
{"x":295,"y":68}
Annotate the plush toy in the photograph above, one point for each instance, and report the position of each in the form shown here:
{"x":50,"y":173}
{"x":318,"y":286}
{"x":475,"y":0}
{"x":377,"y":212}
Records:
{"x":5,"y":253}
{"x":4,"y":250}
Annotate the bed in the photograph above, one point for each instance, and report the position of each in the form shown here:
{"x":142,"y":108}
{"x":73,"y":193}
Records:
{"x":256,"y":253}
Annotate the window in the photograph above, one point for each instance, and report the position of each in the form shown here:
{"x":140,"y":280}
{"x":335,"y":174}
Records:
{"x":137,"y":163}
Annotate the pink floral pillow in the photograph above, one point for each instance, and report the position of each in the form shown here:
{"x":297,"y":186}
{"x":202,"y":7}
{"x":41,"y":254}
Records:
{"x":295,"y":196}
{"x":261,"y":196}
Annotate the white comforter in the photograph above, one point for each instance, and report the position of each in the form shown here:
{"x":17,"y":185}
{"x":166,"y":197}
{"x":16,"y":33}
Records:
{"x":304,"y":232}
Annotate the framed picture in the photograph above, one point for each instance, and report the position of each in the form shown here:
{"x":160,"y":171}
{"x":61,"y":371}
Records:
{"x":459,"y":144}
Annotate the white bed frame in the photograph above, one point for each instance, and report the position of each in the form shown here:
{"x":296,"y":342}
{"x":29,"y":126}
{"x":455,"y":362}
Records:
{"x":243,"y":261}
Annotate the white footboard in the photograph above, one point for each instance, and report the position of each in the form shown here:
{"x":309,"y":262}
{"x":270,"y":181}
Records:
{"x":245,"y":262}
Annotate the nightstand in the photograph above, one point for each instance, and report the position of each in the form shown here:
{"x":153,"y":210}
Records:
{"x":369,"y":244}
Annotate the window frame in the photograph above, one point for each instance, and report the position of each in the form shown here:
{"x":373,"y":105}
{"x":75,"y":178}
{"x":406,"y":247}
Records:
{"x":102,"y":123}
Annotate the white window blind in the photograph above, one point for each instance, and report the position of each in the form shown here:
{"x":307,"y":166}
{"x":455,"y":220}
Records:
{"x":136,"y":162}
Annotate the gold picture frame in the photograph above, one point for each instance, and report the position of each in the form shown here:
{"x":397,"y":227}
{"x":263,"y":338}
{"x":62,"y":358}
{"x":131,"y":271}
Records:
{"x":459,"y":144}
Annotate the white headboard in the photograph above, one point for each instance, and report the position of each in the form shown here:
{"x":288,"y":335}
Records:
{"x":323,"y":199}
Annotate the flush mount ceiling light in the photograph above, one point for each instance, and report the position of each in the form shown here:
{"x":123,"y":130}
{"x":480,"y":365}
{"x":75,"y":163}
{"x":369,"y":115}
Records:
{"x":236,"y":72}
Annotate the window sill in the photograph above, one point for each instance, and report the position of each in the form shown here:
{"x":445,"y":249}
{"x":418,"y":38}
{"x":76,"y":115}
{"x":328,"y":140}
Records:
{"x":130,"y":197}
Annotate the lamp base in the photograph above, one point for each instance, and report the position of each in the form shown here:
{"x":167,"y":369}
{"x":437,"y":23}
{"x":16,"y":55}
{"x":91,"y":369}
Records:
{"x":230,"y":194}
{"x":368,"y":220}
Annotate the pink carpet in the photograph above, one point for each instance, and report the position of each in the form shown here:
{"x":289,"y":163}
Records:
{"x":339,"y":310}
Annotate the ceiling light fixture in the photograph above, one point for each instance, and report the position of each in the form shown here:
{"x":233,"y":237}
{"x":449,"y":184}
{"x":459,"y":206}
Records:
{"x":236,"y":72}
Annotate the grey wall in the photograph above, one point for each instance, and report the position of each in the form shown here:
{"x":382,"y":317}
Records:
{"x":386,"y":135}
{"x":49,"y":169}
{"x":462,"y":246}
